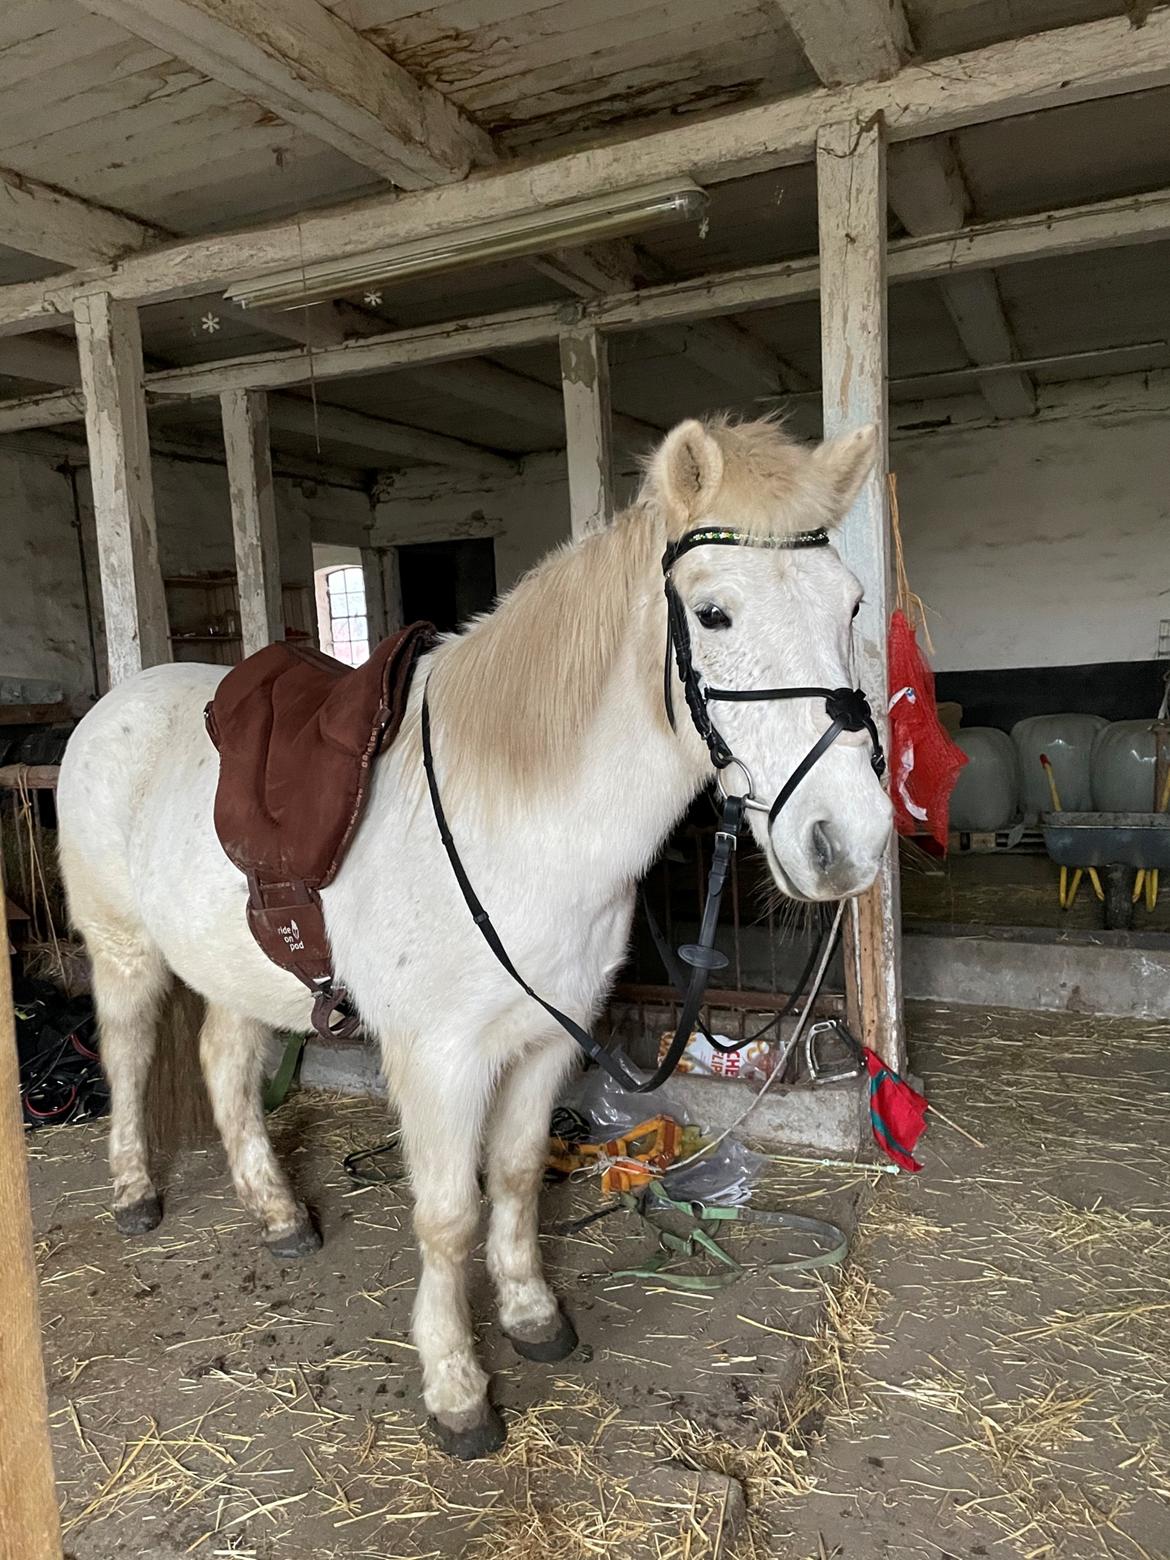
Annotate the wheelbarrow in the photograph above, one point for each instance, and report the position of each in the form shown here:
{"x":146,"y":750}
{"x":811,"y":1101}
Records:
{"x":1117,"y":844}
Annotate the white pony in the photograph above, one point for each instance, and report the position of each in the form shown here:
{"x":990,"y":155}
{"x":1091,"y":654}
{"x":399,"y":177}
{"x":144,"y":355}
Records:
{"x":561,"y":778}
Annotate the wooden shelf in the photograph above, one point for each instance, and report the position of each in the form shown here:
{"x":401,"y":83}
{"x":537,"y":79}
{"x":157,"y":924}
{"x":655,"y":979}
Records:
{"x":205,"y":639}
{"x":33,"y":714}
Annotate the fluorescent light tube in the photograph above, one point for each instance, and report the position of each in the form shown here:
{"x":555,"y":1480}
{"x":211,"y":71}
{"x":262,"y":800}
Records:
{"x":555,"y":227}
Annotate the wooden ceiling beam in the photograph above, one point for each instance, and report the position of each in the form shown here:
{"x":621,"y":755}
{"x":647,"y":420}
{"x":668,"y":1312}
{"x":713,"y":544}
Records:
{"x":377,"y":437}
{"x":1024,"y":75}
{"x":1135,"y":219}
{"x":318,"y":73}
{"x":850,"y":41}
{"x":39,"y":219}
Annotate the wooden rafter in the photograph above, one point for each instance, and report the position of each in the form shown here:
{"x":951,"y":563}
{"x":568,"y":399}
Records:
{"x":39,"y":219}
{"x":301,"y":61}
{"x":1066,"y":65}
{"x":849,"y":41}
{"x":340,"y":425}
{"x":1135,"y":219}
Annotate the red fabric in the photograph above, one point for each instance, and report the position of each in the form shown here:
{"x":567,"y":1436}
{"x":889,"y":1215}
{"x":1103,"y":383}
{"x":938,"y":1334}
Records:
{"x":924,"y":762}
{"x":897,"y":1113}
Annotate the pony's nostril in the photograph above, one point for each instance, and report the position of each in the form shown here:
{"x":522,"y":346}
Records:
{"x":823,"y":845}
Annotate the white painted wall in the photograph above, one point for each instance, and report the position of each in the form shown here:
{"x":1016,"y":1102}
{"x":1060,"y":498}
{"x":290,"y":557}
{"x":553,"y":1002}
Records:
{"x":44,"y":632}
{"x":1039,"y":543}
{"x":43,"y":627}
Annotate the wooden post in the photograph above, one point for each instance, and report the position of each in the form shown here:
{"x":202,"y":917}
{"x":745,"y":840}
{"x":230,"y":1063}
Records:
{"x":851,"y":202}
{"x":29,"y":1528}
{"x":109,"y":346}
{"x":249,"y":468}
{"x":383,"y":592}
{"x":585,"y":387}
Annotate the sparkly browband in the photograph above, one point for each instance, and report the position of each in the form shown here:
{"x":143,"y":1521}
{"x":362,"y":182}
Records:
{"x":721,"y":536}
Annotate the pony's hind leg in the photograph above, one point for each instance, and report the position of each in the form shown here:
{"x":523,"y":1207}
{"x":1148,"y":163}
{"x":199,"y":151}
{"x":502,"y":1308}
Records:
{"x":130,"y":980}
{"x":442,"y":1103}
{"x":516,"y":1155}
{"x":231,"y":1051}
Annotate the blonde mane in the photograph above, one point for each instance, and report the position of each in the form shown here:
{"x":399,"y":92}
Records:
{"x":522,"y":684}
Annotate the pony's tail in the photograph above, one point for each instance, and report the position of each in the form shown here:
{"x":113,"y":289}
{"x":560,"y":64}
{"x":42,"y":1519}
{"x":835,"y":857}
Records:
{"x":178,"y":1110}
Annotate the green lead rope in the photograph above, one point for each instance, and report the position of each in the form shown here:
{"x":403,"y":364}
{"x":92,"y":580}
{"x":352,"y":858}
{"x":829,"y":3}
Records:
{"x":281,"y":1080}
{"x":697,"y":1241}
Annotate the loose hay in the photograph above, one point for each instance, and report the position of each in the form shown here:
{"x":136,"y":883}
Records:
{"x":1034,"y":1295}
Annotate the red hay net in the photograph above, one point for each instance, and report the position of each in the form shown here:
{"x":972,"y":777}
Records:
{"x":924,"y":762}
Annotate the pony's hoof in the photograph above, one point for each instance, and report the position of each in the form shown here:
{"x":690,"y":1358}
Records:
{"x":137,"y":1218}
{"x":556,"y":1342}
{"x":303,"y":1240}
{"x":480,"y":1439}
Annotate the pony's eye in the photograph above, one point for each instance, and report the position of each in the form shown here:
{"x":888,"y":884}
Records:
{"x":711,"y":616}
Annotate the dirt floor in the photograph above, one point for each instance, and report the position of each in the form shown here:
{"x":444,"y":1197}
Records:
{"x":1006,"y":888}
{"x":987,"y":1374}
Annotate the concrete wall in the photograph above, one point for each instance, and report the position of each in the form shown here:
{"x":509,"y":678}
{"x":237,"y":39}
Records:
{"x":1037,"y":543}
{"x":44,"y":631}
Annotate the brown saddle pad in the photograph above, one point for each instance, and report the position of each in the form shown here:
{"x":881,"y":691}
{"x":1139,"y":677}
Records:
{"x":297,"y":734}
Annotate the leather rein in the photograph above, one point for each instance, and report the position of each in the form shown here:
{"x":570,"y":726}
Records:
{"x":848,"y":710}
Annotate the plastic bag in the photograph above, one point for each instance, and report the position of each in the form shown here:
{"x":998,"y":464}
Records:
{"x":723,"y":1176}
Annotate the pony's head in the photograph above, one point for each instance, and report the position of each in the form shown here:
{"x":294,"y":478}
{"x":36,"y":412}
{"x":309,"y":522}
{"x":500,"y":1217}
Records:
{"x":770,"y":617}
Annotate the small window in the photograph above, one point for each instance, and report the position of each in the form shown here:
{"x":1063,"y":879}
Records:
{"x":345,"y":598}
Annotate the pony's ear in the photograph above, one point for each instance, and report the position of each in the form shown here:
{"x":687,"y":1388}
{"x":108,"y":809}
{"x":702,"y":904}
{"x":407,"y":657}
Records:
{"x":688,"y":468}
{"x":844,"y":463}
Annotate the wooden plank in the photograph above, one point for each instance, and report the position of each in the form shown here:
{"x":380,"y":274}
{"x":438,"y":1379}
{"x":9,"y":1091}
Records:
{"x":40,"y":220}
{"x":37,"y":777}
{"x":47,"y":358}
{"x":849,"y":40}
{"x":249,"y":471}
{"x":1067,"y":65}
{"x":33,"y":714}
{"x":928,"y":194}
{"x":585,"y":386}
{"x":383,"y":592}
{"x":29,"y":1528}
{"x":109,"y":344}
{"x":376,"y":436}
{"x":851,"y":205}
{"x":855,"y":40}
{"x":1137,"y":219}
{"x":316,"y":72}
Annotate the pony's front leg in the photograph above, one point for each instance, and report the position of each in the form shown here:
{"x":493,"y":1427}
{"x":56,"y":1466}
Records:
{"x":442,"y":1102}
{"x":517,"y":1153}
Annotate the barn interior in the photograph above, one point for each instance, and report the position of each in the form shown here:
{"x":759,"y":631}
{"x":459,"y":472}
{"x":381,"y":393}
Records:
{"x":251,"y":387}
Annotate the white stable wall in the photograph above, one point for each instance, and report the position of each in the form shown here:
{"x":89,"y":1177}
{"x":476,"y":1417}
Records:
{"x":44,"y":632}
{"x":1039,"y":543}
{"x":1043,"y":542}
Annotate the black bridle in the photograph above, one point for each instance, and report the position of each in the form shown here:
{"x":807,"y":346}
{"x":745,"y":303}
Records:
{"x":847,"y":709}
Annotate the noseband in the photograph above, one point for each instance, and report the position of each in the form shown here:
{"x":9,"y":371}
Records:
{"x":847,"y":708}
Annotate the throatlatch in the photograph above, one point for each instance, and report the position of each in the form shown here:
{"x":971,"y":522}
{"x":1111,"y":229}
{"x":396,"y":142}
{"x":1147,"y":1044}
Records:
{"x":848,"y":710}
